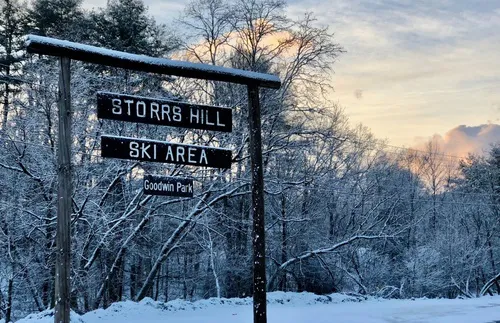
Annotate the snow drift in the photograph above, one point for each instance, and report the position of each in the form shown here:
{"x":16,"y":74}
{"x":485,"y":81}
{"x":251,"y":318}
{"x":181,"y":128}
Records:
{"x":293,"y":308}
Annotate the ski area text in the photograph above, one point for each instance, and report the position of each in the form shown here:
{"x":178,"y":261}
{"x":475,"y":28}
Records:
{"x":168,"y":186}
{"x":164,"y":152}
{"x":162,"y":112}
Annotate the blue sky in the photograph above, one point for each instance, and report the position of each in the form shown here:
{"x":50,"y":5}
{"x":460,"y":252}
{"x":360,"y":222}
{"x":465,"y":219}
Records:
{"x":412,"y":68}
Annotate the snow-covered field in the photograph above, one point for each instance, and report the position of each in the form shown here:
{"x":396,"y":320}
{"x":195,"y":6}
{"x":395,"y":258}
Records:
{"x":294,"y":308}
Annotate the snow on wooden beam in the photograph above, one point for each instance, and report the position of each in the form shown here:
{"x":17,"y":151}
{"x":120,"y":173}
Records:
{"x":97,"y":55}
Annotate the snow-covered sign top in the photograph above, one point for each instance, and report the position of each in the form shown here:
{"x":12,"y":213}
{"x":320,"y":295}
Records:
{"x":97,"y":55}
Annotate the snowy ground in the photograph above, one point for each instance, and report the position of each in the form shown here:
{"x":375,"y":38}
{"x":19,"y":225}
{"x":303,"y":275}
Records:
{"x":295,"y":308}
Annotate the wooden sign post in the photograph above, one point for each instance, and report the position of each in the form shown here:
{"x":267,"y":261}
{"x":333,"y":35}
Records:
{"x":64,"y":190}
{"x":258,"y":232}
{"x":164,"y":112}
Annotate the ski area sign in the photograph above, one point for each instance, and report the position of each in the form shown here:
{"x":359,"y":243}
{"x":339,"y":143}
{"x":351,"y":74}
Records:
{"x":164,"y":152}
{"x":168,"y":186}
{"x":160,"y":112}
{"x":163,"y":112}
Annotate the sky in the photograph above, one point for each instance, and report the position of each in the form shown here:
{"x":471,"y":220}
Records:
{"x":414,"y":69}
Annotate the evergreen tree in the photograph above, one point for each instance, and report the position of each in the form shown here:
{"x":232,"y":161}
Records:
{"x":12,"y":22}
{"x":56,"y":18}
{"x":125,"y":26}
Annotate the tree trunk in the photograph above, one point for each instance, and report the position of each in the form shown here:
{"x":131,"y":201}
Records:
{"x":8,"y":310}
{"x":5,"y":104}
{"x":115,"y":281}
{"x":8,"y":57}
{"x":284,"y":255}
{"x":166,"y":281}
{"x":487,"y":286}
{"x":157,"y":289}
{"x":332,"y":209}
{"x":135,"y":277}
{"x":212,"y":264}
{"x":184,"y":284}
{"x":492,"y":260}
{"x":2,"y":311}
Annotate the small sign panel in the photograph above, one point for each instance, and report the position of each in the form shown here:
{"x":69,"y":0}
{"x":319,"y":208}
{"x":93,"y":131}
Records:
{"x":132,"y":108}
{"x":164,"y":152}
{"x":168,"y":186}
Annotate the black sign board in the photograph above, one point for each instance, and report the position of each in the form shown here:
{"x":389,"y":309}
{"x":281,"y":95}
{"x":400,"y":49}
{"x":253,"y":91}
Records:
{"x":164,"y":152}
{"x":132,"y":108}
{"x":168,"y":186}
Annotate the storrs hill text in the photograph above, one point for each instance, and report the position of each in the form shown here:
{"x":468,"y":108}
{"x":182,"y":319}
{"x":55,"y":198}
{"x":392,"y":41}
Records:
{"x":164,"y":152}
{"x":162,"y":112}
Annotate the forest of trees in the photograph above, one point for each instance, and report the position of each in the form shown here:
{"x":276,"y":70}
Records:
{"x":344,"y":211}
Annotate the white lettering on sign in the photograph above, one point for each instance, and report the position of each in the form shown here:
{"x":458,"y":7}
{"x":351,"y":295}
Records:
{"x":142,"y":149}
{"x":184,"y":188}
{"x":194,"y":115}
{"x":203,"y":157}
{"x":140,"y":109}
{"x":134,"y":149}
{"x":177,"y":114}
{"x":117,"y":107}
{"x":170,"y":155}
{"x":169,"y":112}
{"x":205,"y":116}
{"x":155,"y":108}
{"x":208,"y":122}
{"x":181,"y":154}
{"x":218,"y":121}
{"x":191,"y":152}
{"x":162,"y":187}
{"x":172,"y":185}
{"x":165,"y":111}
{"x":128,"y":102}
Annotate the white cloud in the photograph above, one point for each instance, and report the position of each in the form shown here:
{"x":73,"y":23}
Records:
{"x":463,"y":139}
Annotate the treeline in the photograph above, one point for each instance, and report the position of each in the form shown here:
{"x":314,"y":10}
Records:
{"x":344,"y":212}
